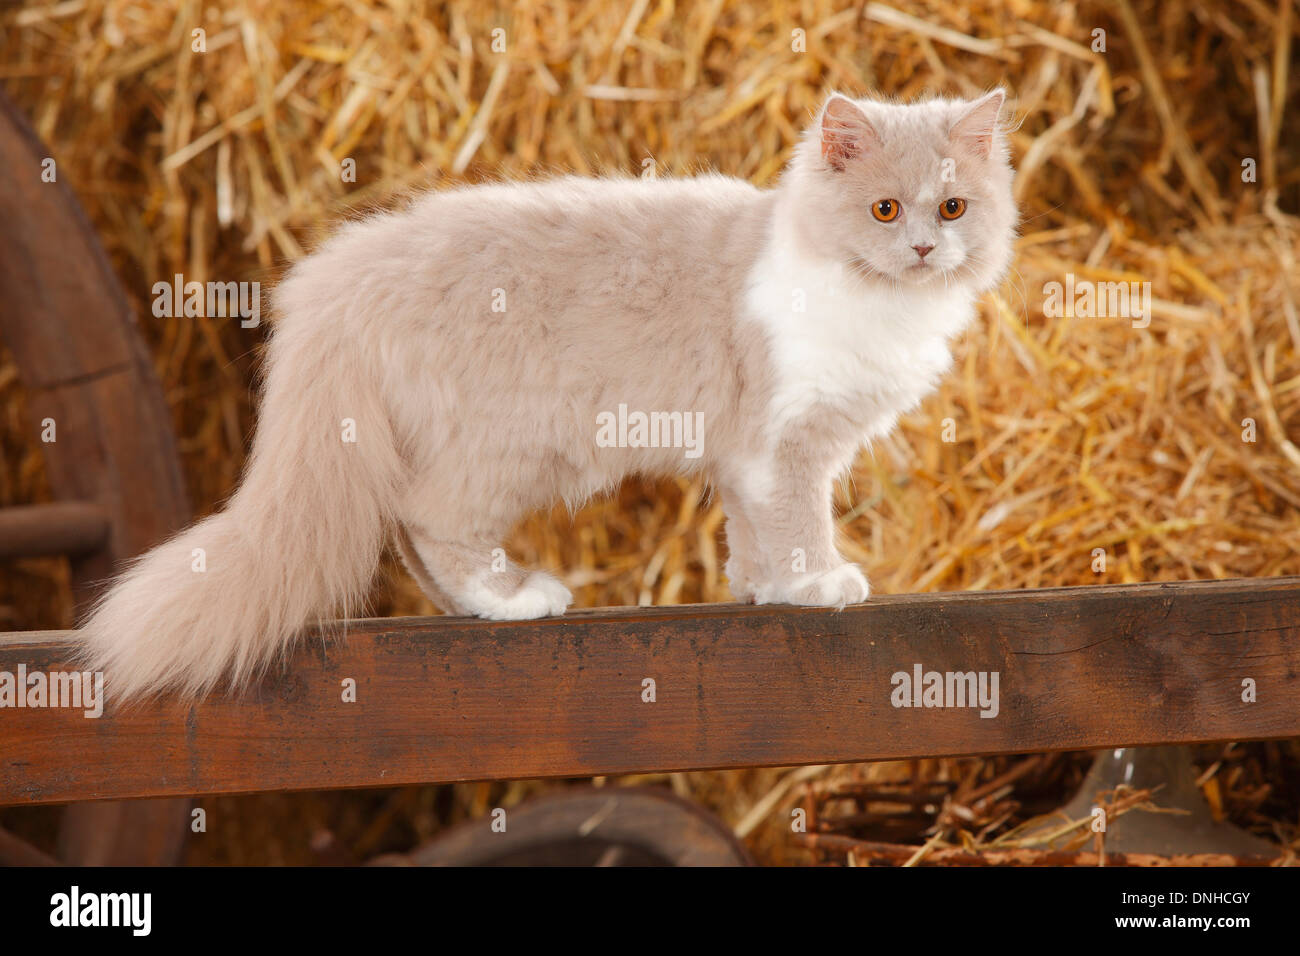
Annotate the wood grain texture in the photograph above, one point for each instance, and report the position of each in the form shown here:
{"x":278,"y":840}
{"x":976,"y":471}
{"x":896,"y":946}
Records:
{"x":65,"y":318}
{"x":73,"y":337}
{"x":447,"y":699}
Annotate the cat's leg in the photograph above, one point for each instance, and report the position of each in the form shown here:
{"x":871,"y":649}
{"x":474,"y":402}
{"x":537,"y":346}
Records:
{"x":787,"y":503}
{"x":478,"y":579}
{"x":415,"y":567}
{"x":742,"y":549}
{"x":454,"y":550}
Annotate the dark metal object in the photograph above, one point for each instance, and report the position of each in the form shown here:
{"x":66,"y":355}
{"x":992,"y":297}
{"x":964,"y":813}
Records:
{"x":1171,"y":770}
{"x":587,"y":826}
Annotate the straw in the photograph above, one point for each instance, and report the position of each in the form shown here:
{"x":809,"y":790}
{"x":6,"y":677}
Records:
{"x":1071,"y":433}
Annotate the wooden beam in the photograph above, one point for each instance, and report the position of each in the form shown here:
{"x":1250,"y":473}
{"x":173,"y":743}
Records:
{"x":446,"y":699}
{"x":66,"y":527}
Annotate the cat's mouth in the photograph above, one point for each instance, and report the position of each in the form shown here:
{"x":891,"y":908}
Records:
{"x":921,"y":270}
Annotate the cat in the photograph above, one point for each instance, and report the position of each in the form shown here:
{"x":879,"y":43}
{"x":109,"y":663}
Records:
{"x":435,"y":373}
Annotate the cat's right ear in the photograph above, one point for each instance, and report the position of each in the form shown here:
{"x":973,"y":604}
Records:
{"x":846,"y":132}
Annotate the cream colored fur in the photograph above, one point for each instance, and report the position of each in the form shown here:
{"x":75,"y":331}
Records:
{"x":472,"y":342}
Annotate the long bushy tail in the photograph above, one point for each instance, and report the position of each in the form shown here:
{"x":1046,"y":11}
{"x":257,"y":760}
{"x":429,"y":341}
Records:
{"x":298,"y":541}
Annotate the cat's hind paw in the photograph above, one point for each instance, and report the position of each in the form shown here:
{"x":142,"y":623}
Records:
{"x":835,"y":588}
{"x":540,"y":595}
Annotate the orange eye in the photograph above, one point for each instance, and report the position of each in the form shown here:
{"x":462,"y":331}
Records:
{"x":952,"y":208}
{"x":886,"y":210}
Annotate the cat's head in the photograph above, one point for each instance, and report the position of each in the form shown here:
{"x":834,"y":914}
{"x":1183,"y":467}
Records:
{"x":907,"y":195}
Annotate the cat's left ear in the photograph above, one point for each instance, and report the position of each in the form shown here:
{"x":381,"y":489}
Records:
{"x":845,"y":131}
{"x":975,"y":127}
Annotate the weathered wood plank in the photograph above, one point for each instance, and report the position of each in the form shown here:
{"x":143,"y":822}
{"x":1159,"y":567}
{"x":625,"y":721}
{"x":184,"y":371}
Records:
{"x":65,"y":318}
{"x":105,"y":428}
{"x":445,"y":699}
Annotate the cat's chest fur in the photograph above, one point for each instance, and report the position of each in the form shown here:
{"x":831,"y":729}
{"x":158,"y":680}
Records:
{"x":841,"y":347}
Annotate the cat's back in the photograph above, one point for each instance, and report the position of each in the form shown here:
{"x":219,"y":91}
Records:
{"x":574,"y":193}
{"x":571,"y":264}
{"x":557,"y":215}
{"x":567,"y":235}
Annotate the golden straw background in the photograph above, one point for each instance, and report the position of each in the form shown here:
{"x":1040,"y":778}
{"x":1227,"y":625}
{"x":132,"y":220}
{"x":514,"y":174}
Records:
{"x":1071,"y":434}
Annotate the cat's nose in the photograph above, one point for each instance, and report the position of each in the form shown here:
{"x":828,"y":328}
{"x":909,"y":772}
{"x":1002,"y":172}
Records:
{"x":923,"y":250}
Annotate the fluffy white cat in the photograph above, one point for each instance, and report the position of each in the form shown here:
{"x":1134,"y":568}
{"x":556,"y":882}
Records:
{"x":437,"y":372}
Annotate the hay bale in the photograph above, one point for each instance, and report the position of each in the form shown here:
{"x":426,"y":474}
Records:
{"x":1071,"y":434}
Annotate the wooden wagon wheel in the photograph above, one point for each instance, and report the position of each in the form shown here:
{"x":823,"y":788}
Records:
{"x":587,"y":826}
{"x":113,"y":467}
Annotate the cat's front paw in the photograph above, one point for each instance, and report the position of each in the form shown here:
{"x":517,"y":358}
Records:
{"x":835,"y":588}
